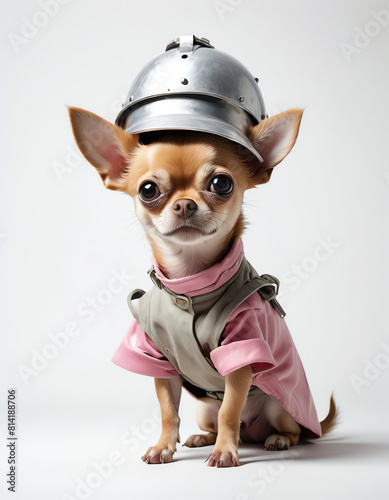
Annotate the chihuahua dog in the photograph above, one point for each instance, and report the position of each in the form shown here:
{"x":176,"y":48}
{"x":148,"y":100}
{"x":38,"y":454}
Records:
{"x":188,"y":190}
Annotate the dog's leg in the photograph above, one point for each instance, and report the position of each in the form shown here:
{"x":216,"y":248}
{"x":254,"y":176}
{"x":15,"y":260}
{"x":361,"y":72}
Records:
{"x":237,"y":385}
{"x":288,"y":429}
{"x":206,"y":412}
{"x":169,"y":395}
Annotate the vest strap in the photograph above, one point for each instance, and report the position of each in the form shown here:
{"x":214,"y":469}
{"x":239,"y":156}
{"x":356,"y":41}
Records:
{"x":270,"y":291}
{"x":267,"y":287}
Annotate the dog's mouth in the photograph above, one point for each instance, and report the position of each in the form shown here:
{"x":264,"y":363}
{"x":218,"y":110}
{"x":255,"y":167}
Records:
{"x":188,"y":232}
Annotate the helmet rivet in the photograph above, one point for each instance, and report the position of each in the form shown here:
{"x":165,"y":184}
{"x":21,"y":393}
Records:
{"x":241,"y":99}
{"x":257,"y":80}
{"x":263,"y":117}
{"x":131,"y":98}
{"x":184,"y":81}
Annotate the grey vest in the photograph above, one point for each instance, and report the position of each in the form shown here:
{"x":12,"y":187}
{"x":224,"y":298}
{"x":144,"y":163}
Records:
{"x":186,"y":329}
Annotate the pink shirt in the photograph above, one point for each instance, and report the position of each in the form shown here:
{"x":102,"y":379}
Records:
{"x":254,"y":334}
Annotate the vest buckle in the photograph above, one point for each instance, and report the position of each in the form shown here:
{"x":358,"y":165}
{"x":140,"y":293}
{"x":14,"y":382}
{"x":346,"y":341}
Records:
{"x":154,"y":278}
{"x":183,"y":302}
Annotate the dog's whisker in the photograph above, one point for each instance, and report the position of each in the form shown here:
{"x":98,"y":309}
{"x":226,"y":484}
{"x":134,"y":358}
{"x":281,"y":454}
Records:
{"x":251,"y":207}
{"x":129,"y":224}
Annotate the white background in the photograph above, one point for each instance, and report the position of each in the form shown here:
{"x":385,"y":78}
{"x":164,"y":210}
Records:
{"x":62,"y":238}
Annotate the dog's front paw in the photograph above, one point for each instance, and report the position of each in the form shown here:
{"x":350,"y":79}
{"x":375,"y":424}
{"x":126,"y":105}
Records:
{"x":158,"y":455}
{"x":225,"y":456}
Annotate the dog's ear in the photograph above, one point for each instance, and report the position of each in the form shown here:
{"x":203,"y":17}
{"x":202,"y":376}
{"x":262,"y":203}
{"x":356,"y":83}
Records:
{"x":273,"y":139}
{"x":106,"y":146}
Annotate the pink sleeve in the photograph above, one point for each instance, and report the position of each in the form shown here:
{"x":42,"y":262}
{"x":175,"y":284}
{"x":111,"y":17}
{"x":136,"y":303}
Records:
{"x":243,"y":343}
{"x":138,"y":353}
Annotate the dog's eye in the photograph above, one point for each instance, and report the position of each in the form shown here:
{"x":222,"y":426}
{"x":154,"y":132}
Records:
{"x":221,"y":184}
{"x":149,"y":191}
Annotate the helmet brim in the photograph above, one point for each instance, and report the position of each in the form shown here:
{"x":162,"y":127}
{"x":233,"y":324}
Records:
{"x":189,"y":112}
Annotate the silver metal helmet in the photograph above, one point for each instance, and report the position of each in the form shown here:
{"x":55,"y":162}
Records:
{"x":193,"y":86}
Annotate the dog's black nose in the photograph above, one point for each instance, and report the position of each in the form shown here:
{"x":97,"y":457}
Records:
{"x":184,"y":208}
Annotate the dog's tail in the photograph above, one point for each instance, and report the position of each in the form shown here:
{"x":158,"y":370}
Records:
{"x":332,"y":419}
